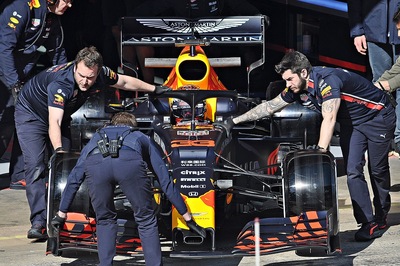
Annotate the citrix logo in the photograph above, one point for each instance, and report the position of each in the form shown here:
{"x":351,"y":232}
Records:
{"x":188,"y":172}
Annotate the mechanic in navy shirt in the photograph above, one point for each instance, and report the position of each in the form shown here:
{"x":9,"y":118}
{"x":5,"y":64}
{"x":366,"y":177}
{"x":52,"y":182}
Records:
{"x":367,"y":121}
{"x":128,"y":168}
{"x":48,"y":99}
{"x":28,"y":29}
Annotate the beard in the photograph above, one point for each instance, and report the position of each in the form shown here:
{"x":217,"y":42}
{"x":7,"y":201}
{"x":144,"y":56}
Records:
{"x":301,"y":86}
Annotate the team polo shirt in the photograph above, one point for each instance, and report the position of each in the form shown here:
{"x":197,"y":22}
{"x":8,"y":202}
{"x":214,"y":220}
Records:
{"x":361,"y":100}
{"x":55,"y":87}
{"x":24,"y":27}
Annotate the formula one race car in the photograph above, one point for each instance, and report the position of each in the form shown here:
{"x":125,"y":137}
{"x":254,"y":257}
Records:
{"x":257,"y":171}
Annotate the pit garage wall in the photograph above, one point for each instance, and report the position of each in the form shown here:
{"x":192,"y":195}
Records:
{"x":318,"y":28}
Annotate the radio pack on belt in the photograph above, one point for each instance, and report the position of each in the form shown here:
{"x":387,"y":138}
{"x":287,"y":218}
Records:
{"x":110,"y":147}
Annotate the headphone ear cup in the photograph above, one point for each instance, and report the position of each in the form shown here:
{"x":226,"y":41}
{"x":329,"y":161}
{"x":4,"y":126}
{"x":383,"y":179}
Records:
{"x":51,"y":2}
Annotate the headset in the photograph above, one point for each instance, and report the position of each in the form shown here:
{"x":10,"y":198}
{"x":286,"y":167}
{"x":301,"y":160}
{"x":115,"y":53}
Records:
{"x":52,"y":2}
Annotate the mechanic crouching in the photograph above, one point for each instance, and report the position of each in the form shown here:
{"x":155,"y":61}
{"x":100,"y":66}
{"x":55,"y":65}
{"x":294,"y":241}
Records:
{"x":367,"y":119}
{"x":118,"y":154}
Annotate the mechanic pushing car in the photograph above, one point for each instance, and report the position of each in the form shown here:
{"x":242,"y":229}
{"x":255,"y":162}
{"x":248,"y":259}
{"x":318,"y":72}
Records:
{"x":28,"y":29}
{"x":44,"y":108}
{"x":367,"y":121}
{"x":117,"y":154}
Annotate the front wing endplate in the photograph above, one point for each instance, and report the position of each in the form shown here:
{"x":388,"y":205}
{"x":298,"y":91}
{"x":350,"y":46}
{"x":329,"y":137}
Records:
{"x":310,"y":229}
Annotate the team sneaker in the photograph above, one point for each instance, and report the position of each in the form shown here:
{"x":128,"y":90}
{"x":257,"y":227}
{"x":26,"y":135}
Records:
{"x":20,"y":184}
{"x":382,"y":222}
{"x":37,"y":232}
{"x":368,"y":231}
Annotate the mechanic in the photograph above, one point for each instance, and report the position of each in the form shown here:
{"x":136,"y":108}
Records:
{"x":44,"y":107}
{"x":117,"y":154}
{"x":28,"y":29}
{"x":367,"y":120}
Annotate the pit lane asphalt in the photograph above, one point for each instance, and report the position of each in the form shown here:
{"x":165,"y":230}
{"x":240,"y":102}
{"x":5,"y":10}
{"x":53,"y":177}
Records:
{"x":16,"y":249}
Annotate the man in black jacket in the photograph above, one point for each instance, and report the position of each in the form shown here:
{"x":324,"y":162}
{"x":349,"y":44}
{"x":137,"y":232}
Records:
{"x":373,"y":27}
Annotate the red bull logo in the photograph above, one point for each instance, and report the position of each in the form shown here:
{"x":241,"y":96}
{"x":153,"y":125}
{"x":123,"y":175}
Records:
{"x":58,"y":99}
{"x":11,"y":25}
{"x":34,"y":4}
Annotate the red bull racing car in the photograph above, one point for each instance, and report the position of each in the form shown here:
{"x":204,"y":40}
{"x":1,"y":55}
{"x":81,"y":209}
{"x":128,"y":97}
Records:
{"x":258,"y":170}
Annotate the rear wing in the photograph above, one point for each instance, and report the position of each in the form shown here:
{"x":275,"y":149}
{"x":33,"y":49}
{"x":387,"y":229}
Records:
{"x":235,"y":30}
{"x":175,"y":31}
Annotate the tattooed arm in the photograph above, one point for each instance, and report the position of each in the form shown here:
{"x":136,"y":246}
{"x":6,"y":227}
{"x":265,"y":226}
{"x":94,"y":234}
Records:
{"x":329,"y":113}
{"x":262,"y":110}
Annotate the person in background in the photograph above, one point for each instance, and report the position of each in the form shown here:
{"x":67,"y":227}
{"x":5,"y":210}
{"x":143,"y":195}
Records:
{"x":43,"y":111}
{"x":367,"y":120}
{"x":28,"y":29}
{"x":375,"y":34}
{"x":390,"y":81}
{"x":127,"y":167}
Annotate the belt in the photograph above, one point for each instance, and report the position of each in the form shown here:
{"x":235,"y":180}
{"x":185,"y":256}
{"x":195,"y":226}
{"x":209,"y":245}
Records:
{"x":94,"y":151}
{"x":97,"y":151}
{"x":374,"y":106}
